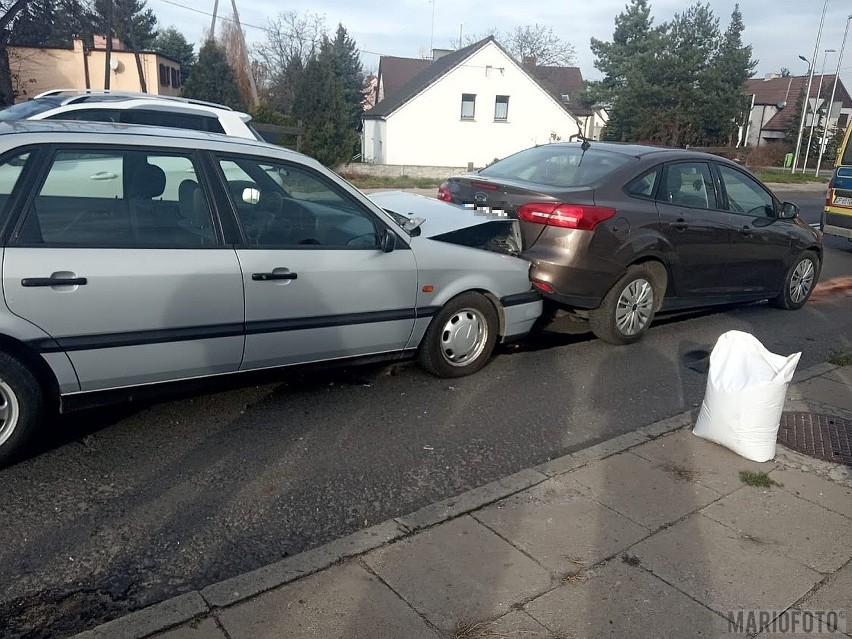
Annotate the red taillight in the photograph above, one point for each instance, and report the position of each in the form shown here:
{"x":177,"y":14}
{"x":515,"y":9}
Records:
{"x":483,"y":185}
{"x":444,"y":193}
{"x":544,"y":287}
{"x":569,"y":216}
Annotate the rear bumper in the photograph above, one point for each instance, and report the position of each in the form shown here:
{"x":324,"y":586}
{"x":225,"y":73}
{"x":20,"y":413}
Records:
{"x":520,"y":313}
{"x":839,"y":224}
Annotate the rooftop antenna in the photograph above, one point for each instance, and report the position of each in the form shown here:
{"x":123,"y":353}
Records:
{"x":432,"y":35}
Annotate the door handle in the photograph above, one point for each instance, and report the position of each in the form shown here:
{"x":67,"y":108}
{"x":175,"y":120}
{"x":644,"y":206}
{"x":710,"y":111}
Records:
{"x":31,"y":282}
{"x":269,"y":277}
{"x":680,"y":225}
{"x":745,"y":231}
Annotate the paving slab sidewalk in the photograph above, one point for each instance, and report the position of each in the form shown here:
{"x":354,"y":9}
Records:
{"x":652,"y":535}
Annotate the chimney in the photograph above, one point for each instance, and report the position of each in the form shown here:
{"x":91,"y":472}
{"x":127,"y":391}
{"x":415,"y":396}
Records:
{"x":771,"y":76}
{"x":528,"y":61}
{"x":437,"y":54}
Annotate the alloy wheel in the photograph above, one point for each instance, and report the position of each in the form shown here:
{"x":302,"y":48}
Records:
{"x":635,"y":307}
{"x":801,"y":281}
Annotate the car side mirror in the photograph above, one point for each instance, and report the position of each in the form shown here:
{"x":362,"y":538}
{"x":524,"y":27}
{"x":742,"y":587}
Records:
{"x":251,"y":195}
{"x":789,"y":211}
{"x":388,"y":242}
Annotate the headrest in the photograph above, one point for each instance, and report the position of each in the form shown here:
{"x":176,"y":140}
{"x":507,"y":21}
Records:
{"x":148,"y":181}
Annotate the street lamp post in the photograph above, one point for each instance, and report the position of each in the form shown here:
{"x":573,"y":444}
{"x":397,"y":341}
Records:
{"x":831,"y":101}
{"x":808,"y":90}
{"x":816,"y":109}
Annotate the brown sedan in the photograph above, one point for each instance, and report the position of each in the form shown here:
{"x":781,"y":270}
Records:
{"x":617,"y":233}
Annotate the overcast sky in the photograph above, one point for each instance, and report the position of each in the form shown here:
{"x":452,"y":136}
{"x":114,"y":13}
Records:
{"x":778,"y":30}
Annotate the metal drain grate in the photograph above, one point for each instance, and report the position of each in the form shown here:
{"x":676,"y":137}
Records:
{"x":822,"y":436}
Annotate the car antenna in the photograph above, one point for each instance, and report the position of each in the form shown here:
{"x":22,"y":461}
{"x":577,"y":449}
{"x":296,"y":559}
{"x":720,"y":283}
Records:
{"x":586,"y":145}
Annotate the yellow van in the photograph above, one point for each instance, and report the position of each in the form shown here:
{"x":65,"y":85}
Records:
{"x":837,"y":216}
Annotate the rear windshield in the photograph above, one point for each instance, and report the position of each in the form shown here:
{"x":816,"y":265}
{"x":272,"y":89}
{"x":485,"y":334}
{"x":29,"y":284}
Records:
{"x":558,"y":165}
{"x":25,"y":110}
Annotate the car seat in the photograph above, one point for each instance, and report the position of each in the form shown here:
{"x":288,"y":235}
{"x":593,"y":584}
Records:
{"x":194,"y":212}
{"x":147,"y":225}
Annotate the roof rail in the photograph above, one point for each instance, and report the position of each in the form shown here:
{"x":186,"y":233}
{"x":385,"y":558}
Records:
{"x":80,"y":95}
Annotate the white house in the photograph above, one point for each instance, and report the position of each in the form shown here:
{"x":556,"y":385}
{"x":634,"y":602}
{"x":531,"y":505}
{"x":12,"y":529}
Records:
{"x":468,"y":106}
{"x":774,"y":100}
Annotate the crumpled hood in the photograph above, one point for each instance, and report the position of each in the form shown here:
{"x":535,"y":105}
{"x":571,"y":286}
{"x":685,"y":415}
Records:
{"x":440,"y":217}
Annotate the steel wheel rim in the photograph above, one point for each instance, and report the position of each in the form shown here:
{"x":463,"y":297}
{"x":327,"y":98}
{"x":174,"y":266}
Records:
{"x":9,"y":411}
{"x":634,"y":307}
{"x":801,"y":281}
{"x":463,"y":337}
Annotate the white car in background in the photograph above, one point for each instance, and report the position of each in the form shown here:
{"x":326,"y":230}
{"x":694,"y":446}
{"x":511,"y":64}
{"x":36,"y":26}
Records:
{"x":133,"y":108}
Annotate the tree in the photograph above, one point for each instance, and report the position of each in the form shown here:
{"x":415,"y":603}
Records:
{"x":726,"y":78}
{"x":232,"y":41}
{"x":629,"y":64}
{"x":52,"y":23}
{"x":678,"y":84}
{"x":785,"y":72}
{"x":346,"y":64}
{"x":212,"y":78}
{"x":324,"y":108}
{"x":172,"y":43}
{"x":540,"y":46}
{"x":292,"y":40}
{"x":532,"y":45}
{"x":9,"y":10}
{"x":132,"y":21}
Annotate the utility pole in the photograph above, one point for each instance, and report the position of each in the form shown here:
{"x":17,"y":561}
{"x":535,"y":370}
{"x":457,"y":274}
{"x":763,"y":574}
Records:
{"x":808,"y":90}
{"x":107,"y":67}
{"x":816,"y":109}
{"x":213,"y":22}
{"x":254,"y":98}
{"x":831,"y":101}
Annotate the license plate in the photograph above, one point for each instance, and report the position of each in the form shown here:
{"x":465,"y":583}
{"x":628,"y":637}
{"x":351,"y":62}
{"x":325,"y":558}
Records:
{"x":843,"y":201}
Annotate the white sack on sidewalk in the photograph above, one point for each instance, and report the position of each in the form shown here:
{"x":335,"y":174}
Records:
{"x":746,"y":389}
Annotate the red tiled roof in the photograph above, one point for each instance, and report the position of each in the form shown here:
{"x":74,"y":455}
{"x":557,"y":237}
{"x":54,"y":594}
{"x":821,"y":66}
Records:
{"x":787,"y":90}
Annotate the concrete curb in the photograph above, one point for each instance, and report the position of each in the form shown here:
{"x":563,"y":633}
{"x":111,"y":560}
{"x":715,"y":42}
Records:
{"x":184,"y":608}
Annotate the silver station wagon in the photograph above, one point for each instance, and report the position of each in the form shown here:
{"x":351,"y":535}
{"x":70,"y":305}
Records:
{"x":137,"y":255}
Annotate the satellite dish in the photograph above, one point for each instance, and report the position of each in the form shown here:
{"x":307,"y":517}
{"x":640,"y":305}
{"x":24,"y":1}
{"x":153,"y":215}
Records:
{"x":113,"y":64}
{"x":781,"y":104}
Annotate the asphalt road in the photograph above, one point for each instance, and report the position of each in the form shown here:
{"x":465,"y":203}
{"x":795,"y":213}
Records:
{"x":130,"y":506}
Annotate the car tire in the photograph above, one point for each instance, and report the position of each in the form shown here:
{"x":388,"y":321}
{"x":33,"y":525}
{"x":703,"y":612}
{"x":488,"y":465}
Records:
{"x":628,"y":308}
{"x":22,"y":407}
{"x":799,"y":282}
{"x":461,"y":337}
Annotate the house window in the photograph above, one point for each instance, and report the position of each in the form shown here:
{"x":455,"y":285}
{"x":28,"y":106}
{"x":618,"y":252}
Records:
{"x":842,"y":120}
{"x":501,"y":107}
{"x":164,"y":75}
{"x":566,"y":98}
{"x":468,"y":106}
{"x":175,"y":77}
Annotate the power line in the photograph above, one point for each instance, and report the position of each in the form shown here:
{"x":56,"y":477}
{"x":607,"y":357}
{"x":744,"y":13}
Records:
{"x":245,"y":24}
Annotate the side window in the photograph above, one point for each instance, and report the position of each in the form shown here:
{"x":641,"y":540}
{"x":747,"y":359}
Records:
{"x":10,"y":171}
{"x":689,"y":184}
{"x":119,"y":199}
{"x":89,"y":115}
{"x":745,"y":195}
{"x":645,"y":185}
{"x":281,"y":205}
{"x":172,"y":119}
